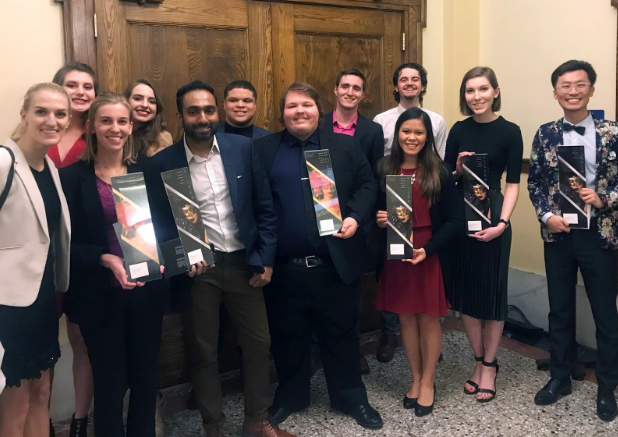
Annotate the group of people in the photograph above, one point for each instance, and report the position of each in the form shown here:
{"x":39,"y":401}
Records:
{"x":283,"y":284}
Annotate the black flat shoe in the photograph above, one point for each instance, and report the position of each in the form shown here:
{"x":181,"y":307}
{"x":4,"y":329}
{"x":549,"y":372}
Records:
{"x":422,"y":410}
{"x":553,"y":391}
{"x":409,"y":403}
{"x":472,"y":383}
{"x":494,"y":363}
{"x":606,"y":405}
{"x":364,"y":414}
{"x":278,"y":414}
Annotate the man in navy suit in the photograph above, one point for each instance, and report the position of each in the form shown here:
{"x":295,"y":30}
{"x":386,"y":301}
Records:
{"x":237,"y":210}
{"x":240,"y":104}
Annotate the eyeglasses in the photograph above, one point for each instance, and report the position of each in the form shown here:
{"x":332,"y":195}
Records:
{"x":579,"y":86}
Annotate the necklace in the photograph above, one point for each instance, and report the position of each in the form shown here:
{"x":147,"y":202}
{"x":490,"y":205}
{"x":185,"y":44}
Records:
{"x":413,"y":176}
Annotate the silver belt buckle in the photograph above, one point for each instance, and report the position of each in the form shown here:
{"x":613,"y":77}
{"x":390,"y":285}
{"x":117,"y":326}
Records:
{"x":307,"y":258}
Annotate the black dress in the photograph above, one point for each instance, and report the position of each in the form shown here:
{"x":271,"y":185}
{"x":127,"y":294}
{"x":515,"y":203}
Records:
{"x":29,"y":334}
{"x":480,"y":276}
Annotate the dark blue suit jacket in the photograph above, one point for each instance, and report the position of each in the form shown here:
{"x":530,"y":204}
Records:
{"x":249,"y":190}
{"x":258,"y":132}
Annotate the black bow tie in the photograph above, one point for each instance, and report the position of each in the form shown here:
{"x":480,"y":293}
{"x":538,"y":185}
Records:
{"x":567,"y":127}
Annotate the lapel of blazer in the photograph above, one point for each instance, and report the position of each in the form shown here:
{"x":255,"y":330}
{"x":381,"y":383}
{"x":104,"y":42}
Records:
{"x":601,"y":168}
{"x":326,"y":140}
{"x":269,"y":150}
{"x":22,"y":169}
{"x":227,"y":156}
{"x":66,"y":218}
{"x":361,"y":126}
{"x":93,"y":208}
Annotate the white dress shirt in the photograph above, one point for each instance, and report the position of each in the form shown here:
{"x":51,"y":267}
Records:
{"x":213,"y":197}
{"x":589,"y":141}
{"x":388,"y":119}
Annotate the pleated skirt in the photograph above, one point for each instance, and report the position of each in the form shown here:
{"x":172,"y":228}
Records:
{"x":480,"y":271}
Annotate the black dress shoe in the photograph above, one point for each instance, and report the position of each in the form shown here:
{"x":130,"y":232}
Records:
{"x":386,"y":349}
{"x":552,"y":391}
{"x":422,"y":410}
{"x":409,"y":403}
{"x":606,"y":405}
{"x":364,"y":414}
{"x":278,"y":414}
{"x":364,"y":365}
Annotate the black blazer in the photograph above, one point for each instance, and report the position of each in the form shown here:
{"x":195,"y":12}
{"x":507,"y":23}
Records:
{"x":258,"y":132}
{"x":356,"y":188}
{"x":447,"y":222}
{"x":87,"y":300}
{"x":251,"y":200}
{"x":370,"y":136}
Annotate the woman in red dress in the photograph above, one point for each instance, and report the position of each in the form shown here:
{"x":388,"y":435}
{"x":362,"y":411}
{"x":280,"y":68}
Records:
{"x":414,"y":288}
{"x":80,"y":82}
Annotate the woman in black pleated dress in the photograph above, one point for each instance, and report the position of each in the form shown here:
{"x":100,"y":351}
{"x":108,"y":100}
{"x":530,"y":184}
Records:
{"x":481,"y":260}
{"x":34,"y":261}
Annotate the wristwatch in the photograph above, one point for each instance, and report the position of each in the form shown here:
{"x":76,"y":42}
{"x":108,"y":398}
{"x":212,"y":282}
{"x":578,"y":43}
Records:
{"x":506,"y":223}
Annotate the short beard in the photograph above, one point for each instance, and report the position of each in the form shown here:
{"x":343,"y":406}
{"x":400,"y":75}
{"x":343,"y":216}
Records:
{"x":191,"y":131}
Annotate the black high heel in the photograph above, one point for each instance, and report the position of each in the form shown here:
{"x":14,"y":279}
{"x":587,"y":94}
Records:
{"x":422,"y":410}
{"x":494,"y":363}
{"x":409,"y":403}
{"x":472,"y":383}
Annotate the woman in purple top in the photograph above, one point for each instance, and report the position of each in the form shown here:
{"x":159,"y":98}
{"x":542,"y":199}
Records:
{"x":120,"y":320}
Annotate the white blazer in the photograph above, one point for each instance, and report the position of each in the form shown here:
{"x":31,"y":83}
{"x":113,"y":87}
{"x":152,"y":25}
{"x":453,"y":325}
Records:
{"x":24,"y":237}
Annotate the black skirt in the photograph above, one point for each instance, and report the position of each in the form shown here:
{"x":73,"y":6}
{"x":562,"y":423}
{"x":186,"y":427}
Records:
{"x":480,"y":271}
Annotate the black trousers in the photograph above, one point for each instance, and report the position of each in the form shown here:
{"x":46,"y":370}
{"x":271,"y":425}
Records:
{"x":581,"y":249}
{"x":124,"y":351}
{"x":299,"y":301}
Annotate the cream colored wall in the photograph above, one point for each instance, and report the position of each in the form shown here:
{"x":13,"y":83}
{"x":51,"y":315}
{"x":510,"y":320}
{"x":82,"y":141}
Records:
{"x":32,"y":49}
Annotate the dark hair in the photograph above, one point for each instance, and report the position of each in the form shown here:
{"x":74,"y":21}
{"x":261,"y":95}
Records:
{"x":193,"y":86}
{"x":421,"y":71}
{"x":76,"y":66}
{"x":428,"y":158}
{"x":487,"y":73}
{"x":574,"y":65}
{"x":302,"y":88}
{"x":351,"y":72}
{"x":148,"y":133}
{"x":243,"y":84}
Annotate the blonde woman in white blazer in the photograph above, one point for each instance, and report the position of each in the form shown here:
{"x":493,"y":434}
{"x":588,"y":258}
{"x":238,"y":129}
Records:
{"x":34,"y":261}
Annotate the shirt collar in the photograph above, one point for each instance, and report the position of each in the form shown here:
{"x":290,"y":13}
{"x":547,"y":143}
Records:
{"x":586,"y":122}
{"x":190,"y":155}
{"x":292,"y":140}
{"x":351,"y":125}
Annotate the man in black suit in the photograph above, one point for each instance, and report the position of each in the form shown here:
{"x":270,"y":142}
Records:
{"x":240,"y":104}
{"x":316,"y":281}
{"x":236,"y":208}
{"x":345,"y":119}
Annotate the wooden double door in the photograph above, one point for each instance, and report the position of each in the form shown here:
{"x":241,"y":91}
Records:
{"x":271,"y":44}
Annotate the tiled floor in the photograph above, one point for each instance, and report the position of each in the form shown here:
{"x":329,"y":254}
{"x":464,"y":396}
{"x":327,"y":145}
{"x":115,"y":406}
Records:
{"x":513,"y":413}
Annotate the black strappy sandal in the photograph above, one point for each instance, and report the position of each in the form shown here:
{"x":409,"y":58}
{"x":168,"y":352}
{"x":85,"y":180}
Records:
{"x":494,"y":363}
{"x":472,"y":383}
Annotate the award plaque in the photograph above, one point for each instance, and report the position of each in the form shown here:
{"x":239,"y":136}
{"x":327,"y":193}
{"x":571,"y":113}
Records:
{"x":399,"y":211}
{"x":572,"y":171}
{"x":324,"y":191}
{"x":186,"y":211}
{"x":476,"y":193}
{"x":134,"y":228}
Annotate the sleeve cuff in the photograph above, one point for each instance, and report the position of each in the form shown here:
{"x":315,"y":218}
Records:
{"x":357,"y":217}
{"x":546,"y":216}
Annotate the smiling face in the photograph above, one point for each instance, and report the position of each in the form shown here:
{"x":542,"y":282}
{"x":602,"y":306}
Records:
{"x":349,"y":92}
{"x":79,"y":85}
{"x":239,"y":107}
{"x":300,"y":115}
{"x":480,"y":95}
{"x":409,"y":84}
{"x":573,"y":91}
{"x":199,"y":115}
{"x":47,"y":117}
{"x":143,"y":103}
{"x":412,"y":137}
{"x":112,"y":126}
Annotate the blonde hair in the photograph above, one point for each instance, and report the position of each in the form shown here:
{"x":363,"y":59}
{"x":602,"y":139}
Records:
{"x":107,"y":98}
{"x":20,"y":130}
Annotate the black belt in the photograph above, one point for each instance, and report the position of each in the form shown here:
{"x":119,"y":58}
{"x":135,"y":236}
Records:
{"x":307,"y":261}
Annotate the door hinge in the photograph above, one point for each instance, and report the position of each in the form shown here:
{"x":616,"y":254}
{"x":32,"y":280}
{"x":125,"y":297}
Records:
{"x":403,"y":42}
{"x":96,"y":31}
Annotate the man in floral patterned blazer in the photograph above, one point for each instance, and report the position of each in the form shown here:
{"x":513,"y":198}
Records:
{"x":593,"y":251}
